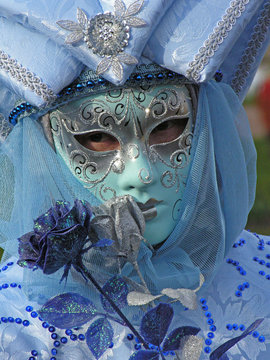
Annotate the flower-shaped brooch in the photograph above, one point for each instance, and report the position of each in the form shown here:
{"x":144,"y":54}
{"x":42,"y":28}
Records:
{"x":106,"y":35}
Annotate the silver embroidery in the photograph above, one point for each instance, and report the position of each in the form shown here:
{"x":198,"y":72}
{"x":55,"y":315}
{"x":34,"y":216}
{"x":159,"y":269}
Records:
{"x":211,"y":45}
{"x":258,"y":36}
{"x":191,"y":347}
{"x":106,"y":35}
{"x":27,"y":78}
{"x":5,"y":128}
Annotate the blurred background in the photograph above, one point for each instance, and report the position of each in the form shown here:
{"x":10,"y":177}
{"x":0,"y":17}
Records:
{"x":257,"y":105}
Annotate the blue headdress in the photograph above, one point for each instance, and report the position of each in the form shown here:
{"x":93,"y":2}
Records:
{"x":45,"y":48}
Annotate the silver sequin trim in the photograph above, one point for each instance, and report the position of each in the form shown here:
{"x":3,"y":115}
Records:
{"x":211,"y":45}
{"x":27,"y":78}
{"x":258,"y":37}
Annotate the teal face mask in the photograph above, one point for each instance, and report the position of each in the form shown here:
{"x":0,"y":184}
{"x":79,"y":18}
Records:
{"x":133,"y":141}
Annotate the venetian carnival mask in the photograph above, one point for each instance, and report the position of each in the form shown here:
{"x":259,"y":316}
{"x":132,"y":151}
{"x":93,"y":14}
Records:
{"x":133,"y":141}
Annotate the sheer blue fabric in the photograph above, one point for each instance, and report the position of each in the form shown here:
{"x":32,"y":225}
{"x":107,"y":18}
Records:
{"x":219,"y":194}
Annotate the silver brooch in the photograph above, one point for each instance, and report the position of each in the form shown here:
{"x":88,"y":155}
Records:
{"x":106,"y":34}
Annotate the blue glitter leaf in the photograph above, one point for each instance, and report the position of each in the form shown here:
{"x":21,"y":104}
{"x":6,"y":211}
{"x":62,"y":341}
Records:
{"x":99,"y":336}
{"x":117,"y":290}
{"x":68,"y":310}
{"x":103,"y":242}
{"x":173,"y":340}
{"x":145,"y":355}
{"x":216,"y":354}
{"x":155,"y":323}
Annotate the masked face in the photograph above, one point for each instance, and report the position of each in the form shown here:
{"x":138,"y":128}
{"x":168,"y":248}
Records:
{"x":131,"y":141}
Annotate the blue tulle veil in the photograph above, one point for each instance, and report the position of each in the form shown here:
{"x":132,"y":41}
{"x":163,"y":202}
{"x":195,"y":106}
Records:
{"x":219,"y":194}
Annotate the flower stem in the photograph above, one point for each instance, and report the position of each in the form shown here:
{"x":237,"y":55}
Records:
{"x":81,"y":269}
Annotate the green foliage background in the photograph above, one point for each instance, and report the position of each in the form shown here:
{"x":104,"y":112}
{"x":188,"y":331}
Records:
{"x":259,"y":217}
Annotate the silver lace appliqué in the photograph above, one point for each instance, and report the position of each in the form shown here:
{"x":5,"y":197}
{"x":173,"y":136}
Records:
{"x":106,"y":35}
{"x":211,"y":45}
{"x":5,"y":128}
{"x":258,"y":36}
{"x":26,"y":77}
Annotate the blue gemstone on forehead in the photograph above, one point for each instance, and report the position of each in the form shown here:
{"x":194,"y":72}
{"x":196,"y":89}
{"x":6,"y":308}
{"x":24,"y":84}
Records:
{"x":138,"y":77}
{"x":79,"y":87}
{"x":90,"y":84}
{"x":149,"y":76}
{"x":34,"y":352}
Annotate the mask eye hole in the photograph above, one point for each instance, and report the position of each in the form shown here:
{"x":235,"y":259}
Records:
{"x":167,"y":131}
{"x":98,"y":141}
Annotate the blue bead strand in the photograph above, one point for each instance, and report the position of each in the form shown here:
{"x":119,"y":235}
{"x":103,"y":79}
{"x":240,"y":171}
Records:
{"x":210,"y":322}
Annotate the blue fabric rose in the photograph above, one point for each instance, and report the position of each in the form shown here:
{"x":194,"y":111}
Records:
{"x":58,"y":237}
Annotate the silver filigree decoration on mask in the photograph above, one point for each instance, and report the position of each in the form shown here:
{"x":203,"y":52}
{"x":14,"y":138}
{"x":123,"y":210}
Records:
{"x":107,"y":35}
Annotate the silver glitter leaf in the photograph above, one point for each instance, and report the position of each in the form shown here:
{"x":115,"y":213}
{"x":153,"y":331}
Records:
{"x":136,"y":298}
{"x":127,"y":59}
{"x":117,"y":69}
{"x":119,"y":8}
{"x":69,"y":25}
{"x":192,"y":348}
{"x":187,"y":297}
{"x":74,"y":37}
{"x":103,"y":65}
{"x":134,"y":21}
{"x":201,"y":283}
{"x":82,"y":18}
{"x":134,"y":8}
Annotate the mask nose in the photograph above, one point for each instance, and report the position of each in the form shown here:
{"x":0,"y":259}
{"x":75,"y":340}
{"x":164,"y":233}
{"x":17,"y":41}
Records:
{"x":137,"y":176}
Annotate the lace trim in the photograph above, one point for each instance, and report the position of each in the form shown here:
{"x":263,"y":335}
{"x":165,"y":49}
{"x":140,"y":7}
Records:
{"x":211,"y":45}
{"x":27,"y":78}
{"x":5,"y":128}
{"x":249,"y":55}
